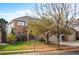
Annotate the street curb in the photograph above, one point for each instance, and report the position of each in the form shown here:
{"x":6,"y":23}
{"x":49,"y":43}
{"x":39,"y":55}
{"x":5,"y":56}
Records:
{"x":58,"y":52}
{"x":37,"y":52}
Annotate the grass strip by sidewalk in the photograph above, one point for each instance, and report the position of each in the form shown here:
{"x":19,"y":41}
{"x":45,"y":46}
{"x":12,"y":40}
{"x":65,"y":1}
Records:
{"x":14,"y":52}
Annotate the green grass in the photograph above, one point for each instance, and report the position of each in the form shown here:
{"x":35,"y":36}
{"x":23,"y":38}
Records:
{"x":19,"y":45}
{"x":18,"y":52}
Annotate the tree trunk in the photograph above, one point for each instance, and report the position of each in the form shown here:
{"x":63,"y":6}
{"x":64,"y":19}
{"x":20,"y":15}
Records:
{"x":58,"y":38}
{"x":47,"y":38}
{"x":28,"y":37}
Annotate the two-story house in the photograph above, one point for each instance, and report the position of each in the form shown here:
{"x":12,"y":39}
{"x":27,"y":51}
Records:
{"x":19,"y":24}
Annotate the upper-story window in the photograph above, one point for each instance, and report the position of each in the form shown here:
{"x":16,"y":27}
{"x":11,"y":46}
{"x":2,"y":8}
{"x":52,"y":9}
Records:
{"x":21,"y":23}
{"x":12,"y":25}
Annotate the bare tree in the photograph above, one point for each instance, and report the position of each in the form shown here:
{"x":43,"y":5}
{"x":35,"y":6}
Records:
{"x":63,"y":15}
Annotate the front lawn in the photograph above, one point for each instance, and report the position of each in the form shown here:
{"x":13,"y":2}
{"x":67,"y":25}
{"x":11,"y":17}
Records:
{"x":21,"y":45}
{"x":30,"y":46}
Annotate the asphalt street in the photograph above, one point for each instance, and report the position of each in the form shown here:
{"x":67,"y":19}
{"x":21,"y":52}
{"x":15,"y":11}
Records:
{"x":69,"y":53}
{"x":65,"y":53}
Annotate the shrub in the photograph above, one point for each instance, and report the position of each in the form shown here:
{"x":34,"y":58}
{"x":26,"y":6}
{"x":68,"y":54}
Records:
{"x":21,"y":37}
{"x":11,"y":39}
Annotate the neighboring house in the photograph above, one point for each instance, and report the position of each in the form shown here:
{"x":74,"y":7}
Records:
{"x":19,"y":24}
{"x":74,"y":36}
{"x":63,"y":37}
{"x":75,"y":25}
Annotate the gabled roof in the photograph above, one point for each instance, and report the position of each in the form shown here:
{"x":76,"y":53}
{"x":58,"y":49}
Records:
{"x":75,"y":24}
{"x":23,"y":18}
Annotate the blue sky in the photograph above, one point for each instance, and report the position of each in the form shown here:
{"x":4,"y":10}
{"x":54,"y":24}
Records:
{"x":10,"y":7}
{"x":10,"y":11}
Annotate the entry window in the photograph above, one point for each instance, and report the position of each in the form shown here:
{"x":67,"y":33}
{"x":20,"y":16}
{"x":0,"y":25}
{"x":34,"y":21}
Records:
{"x":21,"y":23}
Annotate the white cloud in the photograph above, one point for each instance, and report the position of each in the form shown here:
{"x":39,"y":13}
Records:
{"x":18,"y":13}
{"x":10,"y":16}
{"x":31,"y":13}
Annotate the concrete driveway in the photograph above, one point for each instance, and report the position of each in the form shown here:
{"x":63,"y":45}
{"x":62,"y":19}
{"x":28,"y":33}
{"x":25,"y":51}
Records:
{"x":72,"y":43}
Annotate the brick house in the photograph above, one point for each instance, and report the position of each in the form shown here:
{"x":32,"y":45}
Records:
{"x":19,"y":25}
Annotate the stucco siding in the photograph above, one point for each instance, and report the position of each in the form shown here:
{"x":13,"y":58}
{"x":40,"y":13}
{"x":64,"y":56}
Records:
{"x":72,"y":37}
{"x":53,"y":38}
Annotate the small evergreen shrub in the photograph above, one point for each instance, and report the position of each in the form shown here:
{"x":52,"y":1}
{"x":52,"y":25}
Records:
{"x":11,"y":39}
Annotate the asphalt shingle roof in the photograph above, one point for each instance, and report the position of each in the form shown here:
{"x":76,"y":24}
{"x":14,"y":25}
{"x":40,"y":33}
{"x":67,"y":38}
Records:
{"x":25,"y":18}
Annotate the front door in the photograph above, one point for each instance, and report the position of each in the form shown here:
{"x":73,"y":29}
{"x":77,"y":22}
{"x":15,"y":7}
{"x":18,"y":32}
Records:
{"x":63,"y":38}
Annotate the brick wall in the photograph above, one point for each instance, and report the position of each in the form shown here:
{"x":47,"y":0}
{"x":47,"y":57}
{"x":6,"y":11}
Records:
{"x":18,"y":28}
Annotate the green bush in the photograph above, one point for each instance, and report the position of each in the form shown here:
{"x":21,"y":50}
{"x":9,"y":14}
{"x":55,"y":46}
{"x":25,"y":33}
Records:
{"x":11,"y":39}
{"x":21,"y":37}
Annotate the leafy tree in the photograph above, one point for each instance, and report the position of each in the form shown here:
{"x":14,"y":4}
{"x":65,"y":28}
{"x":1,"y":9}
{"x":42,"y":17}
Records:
{"x":40,"y":27}
{"x":3,"y":23}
